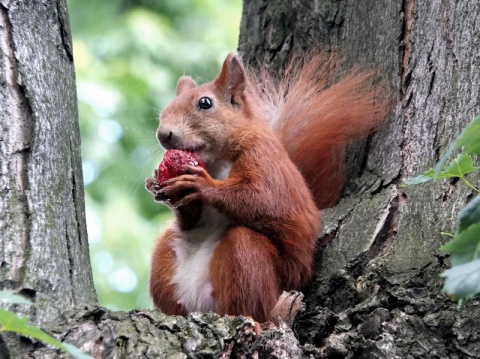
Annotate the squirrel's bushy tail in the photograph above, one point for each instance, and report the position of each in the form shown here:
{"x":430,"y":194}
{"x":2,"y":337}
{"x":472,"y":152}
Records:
{"x":315,"y":116}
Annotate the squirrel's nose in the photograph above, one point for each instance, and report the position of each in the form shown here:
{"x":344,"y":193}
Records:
{"x":166,"y":138}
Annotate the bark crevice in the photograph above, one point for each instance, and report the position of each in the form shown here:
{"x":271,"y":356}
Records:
{"x":384,"y":237}
{"x":64,"y":33}
{"x":22,"y":123}
{"x":408,"y":7}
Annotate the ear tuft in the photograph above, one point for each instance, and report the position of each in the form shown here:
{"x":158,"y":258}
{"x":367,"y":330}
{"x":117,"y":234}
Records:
{"x":231,"y":80}
{"x":185,"y":83}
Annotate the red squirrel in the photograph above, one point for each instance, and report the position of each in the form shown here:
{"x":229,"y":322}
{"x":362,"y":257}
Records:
{"x":246,"y":226}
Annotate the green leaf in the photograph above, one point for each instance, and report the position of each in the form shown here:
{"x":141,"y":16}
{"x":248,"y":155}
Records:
{"x":444,"y":159}
{"x":419,"y":179}
{"x":11,"y":322}
{"x":465,"y":245}
{"x":469,"y":138}
{"x":463,"y":281}
{"x":12,"y":297}
{"x":459,"y":167}
{"x":470,"y":214}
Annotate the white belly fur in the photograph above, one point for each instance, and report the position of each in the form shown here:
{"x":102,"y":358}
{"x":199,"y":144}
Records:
{"x":194,"y":250}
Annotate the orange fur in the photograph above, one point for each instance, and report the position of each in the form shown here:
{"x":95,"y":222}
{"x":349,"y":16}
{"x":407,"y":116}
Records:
{"x":232,"y":273}
{"x":251,"y":215}
{"x":316,"y":114}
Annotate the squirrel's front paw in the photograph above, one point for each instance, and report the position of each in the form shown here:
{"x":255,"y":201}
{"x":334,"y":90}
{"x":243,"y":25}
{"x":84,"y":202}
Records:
{"x":152,"y":185}
{"x":179,"y":191}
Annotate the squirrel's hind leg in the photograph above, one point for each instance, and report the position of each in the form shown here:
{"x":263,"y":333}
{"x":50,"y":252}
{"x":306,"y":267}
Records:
{"x":243,"y":274}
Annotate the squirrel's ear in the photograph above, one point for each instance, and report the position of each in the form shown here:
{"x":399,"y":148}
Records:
{"x":231,"y":80}
{"x":185,"y":83}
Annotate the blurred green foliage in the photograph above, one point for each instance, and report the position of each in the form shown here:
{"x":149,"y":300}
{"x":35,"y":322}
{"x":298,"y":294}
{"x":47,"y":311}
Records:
{"x":128,"y":56}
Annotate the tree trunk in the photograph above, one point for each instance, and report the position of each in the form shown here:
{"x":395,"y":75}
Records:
{"x":377,"y":291}
{"x":43,"y":239}
{"x":376,"y":294}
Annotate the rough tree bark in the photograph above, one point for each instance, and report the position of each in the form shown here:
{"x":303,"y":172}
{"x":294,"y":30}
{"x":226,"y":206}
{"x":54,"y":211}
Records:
{"x":43,"y":241}
{"x":376,"y":294}
{"x":377,"y":291}
{"x":44,"y":249}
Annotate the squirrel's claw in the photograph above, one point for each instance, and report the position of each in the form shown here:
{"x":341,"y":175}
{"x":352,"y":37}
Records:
{"x":197,"y":171}
{"x":152,"y":185}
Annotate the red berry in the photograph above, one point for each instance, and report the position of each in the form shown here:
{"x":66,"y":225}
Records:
{"x":173,"y":164}
{"x":162,"y":173}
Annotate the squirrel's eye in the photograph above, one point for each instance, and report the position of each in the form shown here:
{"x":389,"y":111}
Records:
{"x":205,"y":103}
